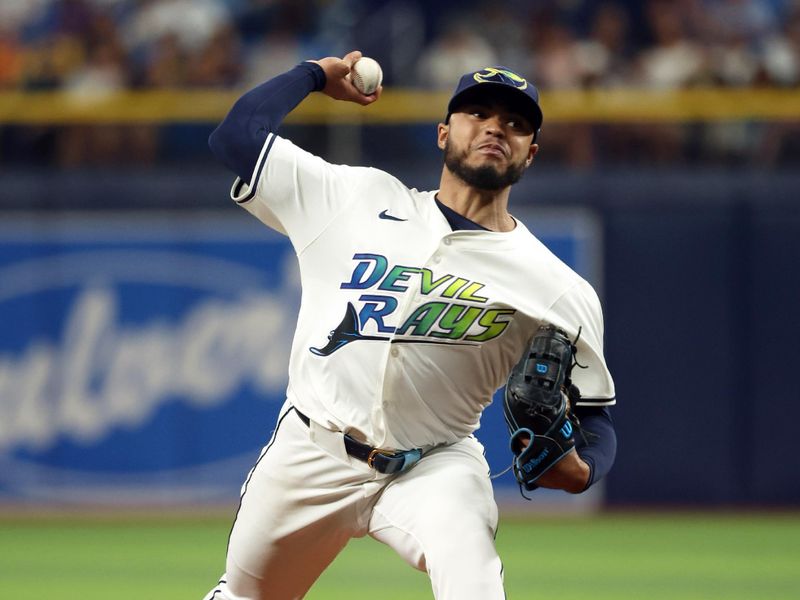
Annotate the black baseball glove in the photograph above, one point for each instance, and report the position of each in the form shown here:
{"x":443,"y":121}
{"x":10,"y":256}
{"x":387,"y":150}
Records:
{"x":537,"y":405}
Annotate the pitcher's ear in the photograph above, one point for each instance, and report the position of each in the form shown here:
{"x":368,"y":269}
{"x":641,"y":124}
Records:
{"x":531,"y":153}
{"x":442,"y":131}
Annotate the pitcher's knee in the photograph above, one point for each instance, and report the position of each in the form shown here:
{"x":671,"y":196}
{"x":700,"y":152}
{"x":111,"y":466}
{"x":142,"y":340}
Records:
{"x":467,"y":555}
{"x":465,"y":573}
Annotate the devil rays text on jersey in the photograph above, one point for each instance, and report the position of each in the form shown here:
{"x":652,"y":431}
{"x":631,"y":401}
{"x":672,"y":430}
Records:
{"x":458,"y":316}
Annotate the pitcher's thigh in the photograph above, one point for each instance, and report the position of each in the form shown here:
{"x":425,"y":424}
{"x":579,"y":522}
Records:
{"x":441,"y":517}
{"x":297,"y":512}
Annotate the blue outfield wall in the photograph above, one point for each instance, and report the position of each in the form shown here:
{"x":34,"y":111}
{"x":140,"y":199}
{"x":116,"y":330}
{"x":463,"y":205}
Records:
{"x":143,"y":352}
{"x":144,"y":355}
{"x":707,"y":295}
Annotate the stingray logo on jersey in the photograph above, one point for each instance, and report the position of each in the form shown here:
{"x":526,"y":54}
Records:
{"x":456,"y":314}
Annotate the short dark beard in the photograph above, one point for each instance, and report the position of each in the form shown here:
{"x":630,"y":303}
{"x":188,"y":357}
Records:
{"x":487,"y":177}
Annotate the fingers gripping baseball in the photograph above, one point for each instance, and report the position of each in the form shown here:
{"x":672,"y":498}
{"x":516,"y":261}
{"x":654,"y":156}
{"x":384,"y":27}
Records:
{"x":338,"y":84}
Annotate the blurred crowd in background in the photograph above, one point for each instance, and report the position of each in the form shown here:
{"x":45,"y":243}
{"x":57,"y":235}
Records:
{"x":102,"y":46}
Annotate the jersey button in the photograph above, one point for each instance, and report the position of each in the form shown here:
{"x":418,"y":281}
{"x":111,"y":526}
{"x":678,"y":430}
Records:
{"x":395,"y":352}
{"x":437,"y":259}
{"x":447,"y":241}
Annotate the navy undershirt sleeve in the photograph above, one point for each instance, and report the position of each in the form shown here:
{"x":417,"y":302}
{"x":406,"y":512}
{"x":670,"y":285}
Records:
{"x":238,"y":140}
{"x":597,"y":447}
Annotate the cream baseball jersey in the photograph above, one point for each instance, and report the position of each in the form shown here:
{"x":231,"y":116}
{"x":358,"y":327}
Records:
{"x":407,"y":328}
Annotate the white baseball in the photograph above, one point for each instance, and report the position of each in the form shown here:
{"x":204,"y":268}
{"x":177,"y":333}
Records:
{"x":366,"y":75}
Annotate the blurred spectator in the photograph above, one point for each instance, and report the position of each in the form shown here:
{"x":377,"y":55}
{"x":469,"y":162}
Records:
{"x":71,"y":17}
{"x":164,"y":63}
{"x":505,"y":32}
{"x":604,"y":56}
{"x":781,"y":60}
{"x":457,"y":50}
{"x":674,"y":60}
{"x":103,"y":73}
{"x":732,"y":63}
{"x":218,"y":63}
{"x":18,"y":15}
{"x":335,"y":23}
{"x":51,"y":61}
{"x":556,"y":64}
{"x":733,"y":26}
{"x":12,"y":58}
{"x":605,"y":59}
{"x":280,"y":44}
{"x":781,"y":53}
{"x":395,"y":35}
{"x":193,"y":22}
{"x":275,"y":53}
{"x":104,"y":69}
{"x":746,"y":20}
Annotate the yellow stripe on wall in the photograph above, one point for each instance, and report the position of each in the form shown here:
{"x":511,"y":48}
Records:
{"x":401,"y":106}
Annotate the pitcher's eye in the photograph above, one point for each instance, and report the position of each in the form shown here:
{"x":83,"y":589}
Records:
{"x":520,"y":124}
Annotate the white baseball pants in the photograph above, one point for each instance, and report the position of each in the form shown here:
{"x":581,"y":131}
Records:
{"x":305,"y":498}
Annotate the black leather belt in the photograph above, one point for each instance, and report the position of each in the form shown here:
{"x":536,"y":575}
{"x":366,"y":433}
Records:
{"x":388,"y":462}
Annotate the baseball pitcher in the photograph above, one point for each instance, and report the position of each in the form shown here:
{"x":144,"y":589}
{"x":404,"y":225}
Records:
{"x":416,"y":307}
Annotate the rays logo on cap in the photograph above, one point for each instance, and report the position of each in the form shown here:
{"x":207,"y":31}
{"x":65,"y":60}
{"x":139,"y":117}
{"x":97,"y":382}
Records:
{"x":495,"y":75}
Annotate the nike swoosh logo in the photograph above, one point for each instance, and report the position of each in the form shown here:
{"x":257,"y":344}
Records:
{"x":385,"y":215}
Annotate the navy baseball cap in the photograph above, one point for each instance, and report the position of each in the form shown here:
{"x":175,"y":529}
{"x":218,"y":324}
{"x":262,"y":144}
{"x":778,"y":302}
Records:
{"x":501,"y":82}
